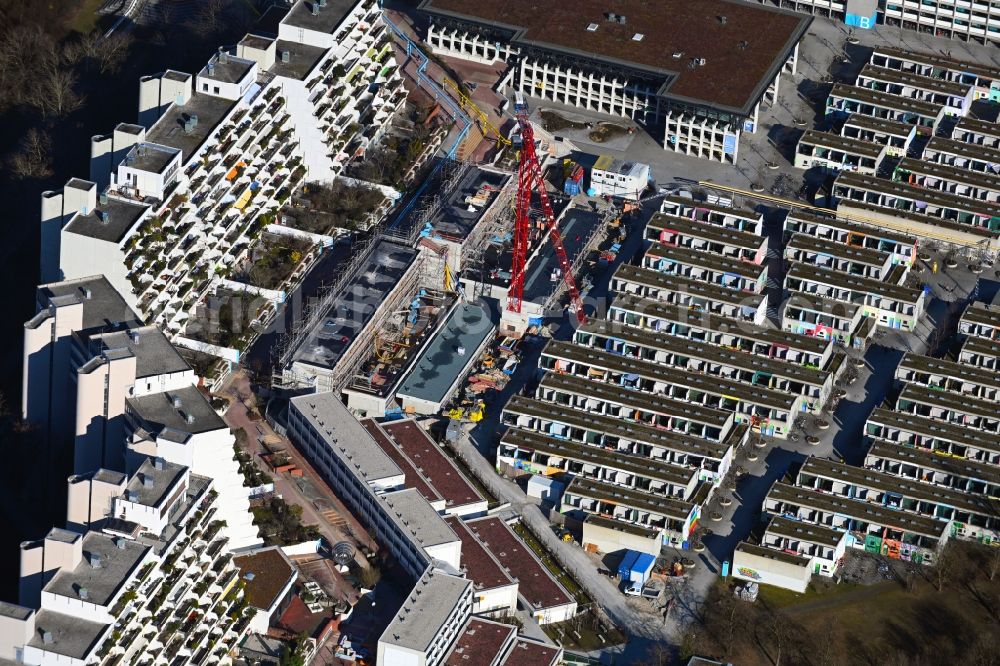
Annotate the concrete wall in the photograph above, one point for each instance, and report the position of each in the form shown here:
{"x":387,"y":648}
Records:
{"x":767,"y":571}
{"x":609,"y":540}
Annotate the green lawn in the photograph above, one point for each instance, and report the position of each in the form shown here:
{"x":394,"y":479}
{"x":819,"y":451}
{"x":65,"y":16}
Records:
{"x":589,"y":639}
{"x":551,"y":564}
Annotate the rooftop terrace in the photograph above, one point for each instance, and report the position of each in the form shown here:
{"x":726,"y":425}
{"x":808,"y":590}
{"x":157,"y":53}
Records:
{"x":109,"y":222}
{"x":480,"y":566}
{"x":117,"y":560}
{"x":417,"y":445}
{"x":183,"y":410}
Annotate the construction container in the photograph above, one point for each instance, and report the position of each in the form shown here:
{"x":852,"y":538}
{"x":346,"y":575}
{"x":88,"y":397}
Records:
{"x":642,"y":568}
{"x":545,"y":488}
{"x":574,"y":180}
{"x":625,"y":567}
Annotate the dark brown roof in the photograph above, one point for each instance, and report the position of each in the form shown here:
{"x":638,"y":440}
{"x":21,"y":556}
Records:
{"x":531,"y":653}
{"x":417,"y":445}
{"x":479,"y":643}
{"x":732,"y":76}
{"x":413,"y":478}
{"x":484,"y":571}
{"x":271,"y":571}
{"x":535,"y":583}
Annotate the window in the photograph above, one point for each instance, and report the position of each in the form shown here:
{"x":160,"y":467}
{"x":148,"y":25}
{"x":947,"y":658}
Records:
{"x":216,"y":88}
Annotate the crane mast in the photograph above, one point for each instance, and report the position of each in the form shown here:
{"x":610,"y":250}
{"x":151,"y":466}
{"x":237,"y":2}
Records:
{"x":529,"y":180}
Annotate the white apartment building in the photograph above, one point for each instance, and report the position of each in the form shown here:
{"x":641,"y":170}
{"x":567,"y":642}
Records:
{"x":968,"y":20}
{"x":118,"y":392}
{"x":151,"y":582}
{"x":684,"y":86}
{"x":179,"y":198}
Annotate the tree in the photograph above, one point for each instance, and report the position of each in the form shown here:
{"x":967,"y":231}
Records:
{"x":658,"y":654}
{"x":33,"y":160}
{"x":993,"y":563}
{"x":369,"y":576}
{"x":945,"y":567}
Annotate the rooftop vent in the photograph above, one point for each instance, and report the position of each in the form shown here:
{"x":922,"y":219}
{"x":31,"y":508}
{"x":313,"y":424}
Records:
{"x":321,"y":3}
{"x":177,"y":402}
{"x":158,"y":463}
{"x":103,"y":216}
{"x":315,"y":9}
{"x":223,"y":56}
{"x":103,"y":198}
{"x":83,"y":593}
{"x":135,"y":337}
{"x":131,"y":496}
{"x":211,"y":69}
{"x":611,"y":17}
{"x":621,"y":19}
{"x":637,"y":37}
{"x":286,"y":56}
{"x":592,"y":27}
{"x":743,"y":46}
{"x":147,"y":481}
{"x":248,"y":575}
{"x":120,"y":542}
{"x":723,"y":20}
{"x":87,"y":293}
{"x":95,"y":560}
{"x":47,"y":638}
{"x":189,"y":419}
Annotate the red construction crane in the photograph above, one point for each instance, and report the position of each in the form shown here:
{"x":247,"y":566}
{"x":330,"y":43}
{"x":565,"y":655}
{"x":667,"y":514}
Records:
{"x":529,"y":179}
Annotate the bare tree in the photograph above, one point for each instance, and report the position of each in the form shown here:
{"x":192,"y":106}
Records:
{"x":993,"y":563}
{"x":658,"y":654}
{"x":33,"y":159}
{"x":780,"y":631}
{"x":944,"y":568}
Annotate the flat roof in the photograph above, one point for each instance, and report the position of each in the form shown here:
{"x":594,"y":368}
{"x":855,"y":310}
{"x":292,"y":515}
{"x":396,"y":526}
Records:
{"x":713,"y":262}
{"x":668,"y":282}
{"x":852,"y":253}
{"x":982,"y":313}
{"x":913,"y":216}
{"x":794,"y":529}
{"x":660,"y":404}
{"x":150,"y":157}
{"x":649,"y":468}
{"x":103,"y":307}
{"x":71,"y":636}
{"x":925,"y":83}
{"x":413,"y":478}
{"x":972,"y":151}
{"x":15,"y":611}
{"x":977,"y":126}
{"x":671,"y":376}
{"x":231,"y":70}
{"x":535,"y":583}
{"x":270,"y":571}
{"x":169,"y":129}
{"x":117,"y":566}
{"x":430,"y":604}
{"x":154,"y":354}
{"x":952,"y":174}
{"x":742,"y":54}
{"x":880,"y":125}
{"x":888,"y":483}
{"x":302,"y":59}
{"x":939,"y":366}
{"x":345,"y":435}
{"x":527,"y":652}
{"x":961,"y":467}
{"x":867,"y":512}
{"x":355,"y":305}
{"x":711,"y":232}
{"x":456,"y":218}
{"x":854,"y":283}
{"x":713,"y":353}
{"x":886,"y":100}
{"x":983,"y":346}
{"x":669,"y":507}
{"x":948,"y":400}
{"x":194,"y":415}
{"x":919,"y":194}
{"x":478,"y":564}
{"x":429,"y":460}
{"x":480,"y":642}
{"x":816,"y":303}
{"x":673,"y":441}
{"x":845,"y":143}
{"x":708,"y":322}
{"x":673,"y":202}
{"x":440,"y":365}
{"x":413,"y":514}
{"x":852,"y":227}
{"x":772,"y":554}
{"x":109,"y":221}
{"x":577,"y":225}
{"x":940,"y":61}
{"x":928,"y":427}
{"x":327,"y":20}
{"x":620,"y":526}
{"x":161,"y":482}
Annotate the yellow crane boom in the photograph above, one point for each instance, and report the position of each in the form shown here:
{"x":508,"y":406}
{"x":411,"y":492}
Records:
{"x":468,"y":105}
